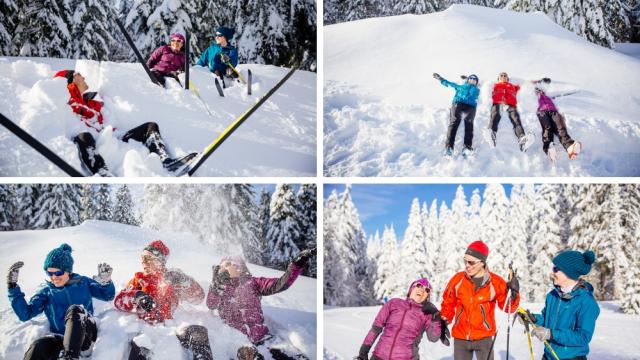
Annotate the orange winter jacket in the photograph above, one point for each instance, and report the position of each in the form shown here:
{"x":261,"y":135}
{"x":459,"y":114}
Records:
{"x":471,"y":311}
{"x":84,"y":105}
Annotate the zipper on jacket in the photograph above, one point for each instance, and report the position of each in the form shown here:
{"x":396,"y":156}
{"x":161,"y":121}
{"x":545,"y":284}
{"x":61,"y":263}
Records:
{"x":397,"y":333}
{"x":484,"y":318}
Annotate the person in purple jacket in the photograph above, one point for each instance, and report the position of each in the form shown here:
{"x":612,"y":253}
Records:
{"x":236,"y":294}
{"x":553,"y":123}
{"x":168,"y":60}
{"x":402,"y":323}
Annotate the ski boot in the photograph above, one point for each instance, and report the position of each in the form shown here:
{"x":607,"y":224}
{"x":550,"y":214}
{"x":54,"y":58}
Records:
{"x":67,"y":356}
{"x":448,"y":153}
{"x":249,"y":353}
{"x":468,"y":152}
{"x":177,"y":163}
{"x":525,"y":141}
{"x":574,"y":149}
{"x":552,"y":154}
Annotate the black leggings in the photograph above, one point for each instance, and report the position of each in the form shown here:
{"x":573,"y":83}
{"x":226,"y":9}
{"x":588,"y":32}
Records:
{"x":193,"y":337}
{"x":80,"y":332}
{"x":513,"y":116}
{"x":460,"y":111}
{"x":553,"y":123}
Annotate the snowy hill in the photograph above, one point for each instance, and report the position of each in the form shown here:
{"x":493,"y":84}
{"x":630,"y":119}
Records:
{"x":346,"y":328}
{"x":386,"y":116}
{"x":290,"y":315}
{"x":278,"y":140}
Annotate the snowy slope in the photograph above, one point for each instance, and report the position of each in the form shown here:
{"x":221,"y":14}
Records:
{"x":346,"y":328}
{"x":384,"y":114}
{"x":291,"y":314}
{"x":278,"y":140}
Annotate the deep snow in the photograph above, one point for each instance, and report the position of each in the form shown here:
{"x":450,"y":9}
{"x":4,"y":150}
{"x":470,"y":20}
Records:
{"x":614,"y":338}
{"x":291,"y":314}
{"x":278,"y":140}
{"x":384,"y":114}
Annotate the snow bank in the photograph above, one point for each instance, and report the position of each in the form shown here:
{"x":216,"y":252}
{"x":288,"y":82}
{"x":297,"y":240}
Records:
{"x":386,"y":116}
{"x":290,"y":315}
{"x":278,"y":140}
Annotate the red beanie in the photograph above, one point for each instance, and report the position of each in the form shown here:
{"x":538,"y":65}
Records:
{"x":65,"y":74}
{"x":479,"y":250}
{"x":158,"y":249}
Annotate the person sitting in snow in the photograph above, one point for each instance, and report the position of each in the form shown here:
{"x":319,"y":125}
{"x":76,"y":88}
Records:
{"x":402,"y":323}
{"x":568,"y":318}
{"x":221,"y":54}
{"x":504,"y":94}
{"x":155,"y":293}
{"x":464,"y":104}
{"x":552,"y":123}
{"x":236,"y":294}
{"x":84,"y":103}
{"x":66,"y":300}
{"x":168,"y":60}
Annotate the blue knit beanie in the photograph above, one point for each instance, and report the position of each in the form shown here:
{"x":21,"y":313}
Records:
{"x":59,"y":258}
{"x":574,"y":263}
{"x":226,"y":32}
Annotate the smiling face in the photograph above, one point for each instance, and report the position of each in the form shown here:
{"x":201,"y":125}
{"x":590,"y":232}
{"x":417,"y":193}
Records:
{"x":503,"y":77}
{"x":78,"y":79}
{"x":473,"y":266}
{"x":58,"y":280}
{"x":232,"y":268}
{"x":150,"y":263}
{"x":561,"y":279}
{"x":176,"y":45}
{"x":221,"y":40}
{"x":419,"y":293}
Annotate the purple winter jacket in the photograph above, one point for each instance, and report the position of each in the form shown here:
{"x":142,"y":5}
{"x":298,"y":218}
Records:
{"x":403,"y":322}
{"x":545,"y":103}
{"x":164,"y":60}
{"x":239,"y":303}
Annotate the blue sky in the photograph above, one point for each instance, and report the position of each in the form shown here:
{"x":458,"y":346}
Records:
{"x":384,"y":204}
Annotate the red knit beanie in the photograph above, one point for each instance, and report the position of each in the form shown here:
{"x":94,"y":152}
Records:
{"x":68,"y":74}
{"x":479,"y":250}
{"x":158,"y":249}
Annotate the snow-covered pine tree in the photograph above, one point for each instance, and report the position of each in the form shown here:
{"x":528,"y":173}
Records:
{"x":386,"y":283}
{"x":136,"y":23}
{"x":244,"y":220}
{"x":374,"y":251}
{"x":307,"y":200}
{"x":630,"y":294}
{"x":454,"y":239}
{"x":302,"y":43}
{"x":104,"y":206}
{"x":57,"y":206}
{"x":7,"y":210}
{"x":124,"y":212}
{"x":415,"y":260}
{"x":91,"y":30}
{"x":417,"y":7}
{"x":331,"y":272}
{"x":88,"y":206}
{"x":432,"y":233}
{"x":520,"y":231}
{"x":263,"y":225}
{"x":8,"y":23}
{"x":26,"y":196}
{"x":284,"y":230}
{"x":43,"y":28}
{"x":493,"y":213}
{"x":475,"y":223}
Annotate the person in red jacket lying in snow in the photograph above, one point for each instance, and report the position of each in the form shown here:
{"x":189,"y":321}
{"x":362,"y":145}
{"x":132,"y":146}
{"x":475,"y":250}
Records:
{"x":154,"y":294}
{"x":504,"y":96}
{"x":84,"y":103}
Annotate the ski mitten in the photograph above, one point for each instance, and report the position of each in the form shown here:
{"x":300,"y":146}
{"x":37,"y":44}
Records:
{"x":303,"y":257}
{"x":542,"y":333}
{"x":104,"y":274}
{"x":12,"y":274}
{"x":225,"y":58}
{"x":363,"y":354}
{"x":445,"y":335}
{"x":220,"y":279}
{"x":428,"y":308}
{"x":144,"y":301}
{"x":437,"y":76}
{"x":514,"y":286}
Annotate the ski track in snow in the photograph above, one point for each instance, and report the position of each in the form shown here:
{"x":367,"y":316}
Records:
{"x":346,"y":328}
{"x":290,"y":315}
{"x":389,"y":117}
{"x":279,"y":139}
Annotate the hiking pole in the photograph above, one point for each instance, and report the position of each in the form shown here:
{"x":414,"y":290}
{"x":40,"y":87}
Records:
{"x":236,"y":72}
{"x":546,"y":343}
{"x":493,"y":342}
{"x":528,"y":331}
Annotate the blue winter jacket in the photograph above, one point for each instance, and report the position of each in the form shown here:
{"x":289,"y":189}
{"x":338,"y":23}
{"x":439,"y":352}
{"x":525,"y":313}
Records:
{"x":465,"y":93}
{"x":211,"y":58}
{"x":571,"y":318}
{"x":55,"y":301}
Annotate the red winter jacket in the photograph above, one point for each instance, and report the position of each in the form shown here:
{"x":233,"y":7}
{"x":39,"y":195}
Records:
{"x":86,"y":107}
{"x":158,"y":288}
{"x":505,"y":93}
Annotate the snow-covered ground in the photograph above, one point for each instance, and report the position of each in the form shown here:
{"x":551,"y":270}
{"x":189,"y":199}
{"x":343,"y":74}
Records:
{"x":278,"y":140}
{"x":631,"y":49}
{"x":291,"y":314}
{"x":384,"y":114}
{"x":614,"y":339}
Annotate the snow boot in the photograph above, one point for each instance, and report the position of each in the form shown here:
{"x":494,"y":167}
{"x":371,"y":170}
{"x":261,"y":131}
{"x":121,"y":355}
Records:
{"x":249,"y":353}
{"x":468,"y":152}
{"x":574,"y":149}
{"x":525,"y":141}
{"x":448,"y":152}
{"x":67,"y":356}
{"x":279,"y":354}
{"x":552,"y":154}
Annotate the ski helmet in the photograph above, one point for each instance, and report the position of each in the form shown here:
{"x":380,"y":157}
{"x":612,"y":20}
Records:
{"x":473,"y":77}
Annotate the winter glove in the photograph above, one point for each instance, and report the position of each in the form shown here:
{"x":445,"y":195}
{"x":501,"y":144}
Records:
{"x":145,"y":301}
{"x":225,"y":58}
{"x":437,"y":76}
{"x":364,"y":352}
{"x":445,"y":335}
{"x":542,"y":333}
{"x":514,"y":286}
{"x":428,"y":308}
{"x":522,"y":319}
{"x":546,"y":80}
{"x":220,"y":279}
{"x":303,"y":257}
{"x":12,"y":275}
{"x":104,"y":274}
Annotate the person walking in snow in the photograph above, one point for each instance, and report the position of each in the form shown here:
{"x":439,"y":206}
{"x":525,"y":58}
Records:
{"x":168,"y":60}
{"x":469,"y":303}
{"x":220,"y":54}
{"x":402,"y":323}
{"x":236,"y":294}
{"x":155,"y":293}
{"x":86,"y":105}
{"x":504,"y":95}
{"x":66,"y":300}
{"x":464,"y":105}
{"x":568,"y":319}
{"x":553,"y":124}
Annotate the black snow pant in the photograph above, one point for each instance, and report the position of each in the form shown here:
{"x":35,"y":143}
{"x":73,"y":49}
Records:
{"x":244,"y":352}
{"x":193,"y":337}
{"x":80,"y":332}
{"x":161,"y":77}
{"x":460,"y":112}
{"x":512,"y":111}
{"x":147,"y":133}
{"x":464,"y":349}
{"x":544,"y":357}
{"x":552,"y":123}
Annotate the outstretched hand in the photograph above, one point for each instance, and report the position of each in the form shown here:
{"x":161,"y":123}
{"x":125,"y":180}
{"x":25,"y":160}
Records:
{"x":145,"y":301}
{"x":104,"y":274}
{"x":303,"y":257}
{"x":437,"y":76}
{"x":12,"y":274}
{"x":220,"y":279}
{"x":445,"y":335}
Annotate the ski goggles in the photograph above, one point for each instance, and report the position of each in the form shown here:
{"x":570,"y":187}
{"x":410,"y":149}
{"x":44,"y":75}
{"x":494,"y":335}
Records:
{"x":56,"y":273}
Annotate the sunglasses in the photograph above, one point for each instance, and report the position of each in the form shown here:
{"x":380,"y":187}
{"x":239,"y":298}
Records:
{"x":176,"y":40}
{"x":56,"y":273}
{"x":471,"y":262}
{"x":555,"y":269}
{"x":219,"y":35}
{"x":149,"y":258}
{"x":423,"y":287}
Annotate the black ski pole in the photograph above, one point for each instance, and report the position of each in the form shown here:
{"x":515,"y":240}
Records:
{"x":493,"y":342}
{"x":39,"y":147}
{"x":187,"y":49}
{"x":135,"y":51}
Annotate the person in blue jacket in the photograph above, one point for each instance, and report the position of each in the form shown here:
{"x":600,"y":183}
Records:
{"x":463,"y":108}
{"x":220,"y":54}
{"x":66,"y":300}
{"x":568,"y":318}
